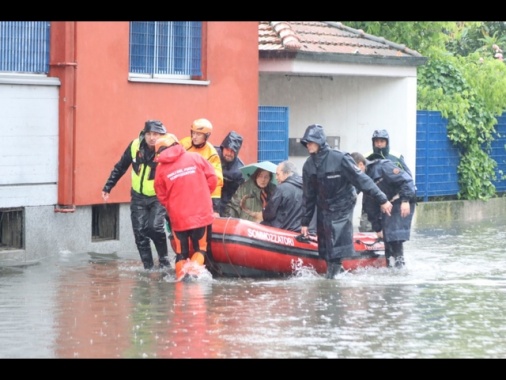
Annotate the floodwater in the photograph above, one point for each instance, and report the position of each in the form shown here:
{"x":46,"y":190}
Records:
{"x":450,"y":302}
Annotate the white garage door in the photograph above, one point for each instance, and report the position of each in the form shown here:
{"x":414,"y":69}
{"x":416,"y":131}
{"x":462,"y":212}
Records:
{"x":28,"y":143}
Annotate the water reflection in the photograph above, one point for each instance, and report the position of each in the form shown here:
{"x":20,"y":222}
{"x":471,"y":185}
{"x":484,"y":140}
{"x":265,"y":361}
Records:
{"x":449,"y":302}
{"x":95,"y":307}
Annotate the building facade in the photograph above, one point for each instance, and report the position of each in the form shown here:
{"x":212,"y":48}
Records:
{"x":63,"y":127}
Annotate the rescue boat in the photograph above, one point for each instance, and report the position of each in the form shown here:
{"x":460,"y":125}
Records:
{"x":241,"y":248}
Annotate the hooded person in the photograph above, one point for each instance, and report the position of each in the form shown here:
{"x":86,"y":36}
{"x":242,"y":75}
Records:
{"x":398,"y":185}
{"x":147,"y":214}
{"x":330,"y":178}
{"x":183,"y":184}
{"x":230,"y":163}
{"x":381,"y":149}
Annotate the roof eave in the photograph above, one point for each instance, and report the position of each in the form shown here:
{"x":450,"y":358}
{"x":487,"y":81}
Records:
{"x":343,"y":58}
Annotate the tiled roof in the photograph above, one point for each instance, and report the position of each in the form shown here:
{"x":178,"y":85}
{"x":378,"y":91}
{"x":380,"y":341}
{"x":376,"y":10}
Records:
{"x":325,"y":37}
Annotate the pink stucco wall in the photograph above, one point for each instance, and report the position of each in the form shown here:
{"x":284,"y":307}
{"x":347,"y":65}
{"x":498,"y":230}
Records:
{"x":109,"y":111}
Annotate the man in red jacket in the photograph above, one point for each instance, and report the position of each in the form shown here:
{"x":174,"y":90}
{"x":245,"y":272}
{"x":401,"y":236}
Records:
{"x":184,"y":182}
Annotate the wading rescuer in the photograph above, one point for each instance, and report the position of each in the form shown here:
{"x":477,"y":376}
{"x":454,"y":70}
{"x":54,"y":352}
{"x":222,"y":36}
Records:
{"x":329,"y":179}
{"x":398,"y":185}
{"x":146,"y":212}
{"x":381,"y":149}
{"x":184,"y":181}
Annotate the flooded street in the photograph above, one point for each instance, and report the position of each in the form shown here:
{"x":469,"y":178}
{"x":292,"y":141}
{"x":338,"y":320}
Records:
{"x":449,"y":302}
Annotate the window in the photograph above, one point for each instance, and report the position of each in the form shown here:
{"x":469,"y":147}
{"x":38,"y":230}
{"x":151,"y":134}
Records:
{"x":24,"y":46}
{"x":104,"y":222}
{"x":165,"y":49}
{"x":12,"y":228}
{"x":273,"y":133}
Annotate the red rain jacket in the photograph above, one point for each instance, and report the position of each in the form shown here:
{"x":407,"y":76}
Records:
{"x":184,"y":182}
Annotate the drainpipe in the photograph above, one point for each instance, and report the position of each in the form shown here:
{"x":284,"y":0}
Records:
{"x":64,"y":66}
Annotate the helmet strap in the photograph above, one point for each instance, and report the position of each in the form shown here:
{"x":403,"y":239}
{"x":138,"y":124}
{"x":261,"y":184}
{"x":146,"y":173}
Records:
{"x":200,"y":145}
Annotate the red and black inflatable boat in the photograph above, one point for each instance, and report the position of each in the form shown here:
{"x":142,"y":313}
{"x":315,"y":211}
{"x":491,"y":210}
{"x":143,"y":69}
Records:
{"x":240,"y":248}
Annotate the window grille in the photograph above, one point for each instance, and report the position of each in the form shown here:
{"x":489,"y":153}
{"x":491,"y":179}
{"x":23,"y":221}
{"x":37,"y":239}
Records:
{"x":272,"y":134}
{"x":166,"y":48}
{"x":12,"y":228}
{"x":105,"y":222}
{"x":24,"y":46}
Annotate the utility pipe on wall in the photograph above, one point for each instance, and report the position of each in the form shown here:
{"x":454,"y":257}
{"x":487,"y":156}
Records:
{"x":64,"y":66}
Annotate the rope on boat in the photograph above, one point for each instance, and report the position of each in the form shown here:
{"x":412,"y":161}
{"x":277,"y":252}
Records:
{"x":210,"y":260}
{"x":226,"y":249}
{"x":378,"y":240}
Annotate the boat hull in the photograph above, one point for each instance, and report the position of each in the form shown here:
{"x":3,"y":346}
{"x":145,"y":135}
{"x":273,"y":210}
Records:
{"x":240,"y":248}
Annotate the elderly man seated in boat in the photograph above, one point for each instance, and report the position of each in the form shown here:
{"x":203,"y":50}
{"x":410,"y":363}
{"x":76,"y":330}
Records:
{"x":282,"y":210}
{"x":252,"y":196}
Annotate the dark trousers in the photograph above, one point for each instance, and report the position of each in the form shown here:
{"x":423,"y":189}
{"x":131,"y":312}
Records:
{"x":148,"y":223}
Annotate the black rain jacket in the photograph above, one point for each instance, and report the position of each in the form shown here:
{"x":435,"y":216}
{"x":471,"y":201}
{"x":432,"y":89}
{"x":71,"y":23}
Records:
{"x":284,"y":208}
{"x":329,"y":181}
{"x":232,"y":176}
{"x":398,"y":185}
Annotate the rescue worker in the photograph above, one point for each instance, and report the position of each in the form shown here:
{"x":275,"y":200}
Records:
{"x":329,"y":178}
{"x":230,"y":163}
{"x":183,"y":183}
{"x":381,"y":149}
{"x":198,"y":142}
{"x":146,"y":212}
{"x":399,"y":187}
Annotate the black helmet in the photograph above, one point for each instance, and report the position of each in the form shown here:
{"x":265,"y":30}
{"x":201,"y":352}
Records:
{"x":154,"y":126}
{"x":380,"y":152}
{"x":380,"y":134}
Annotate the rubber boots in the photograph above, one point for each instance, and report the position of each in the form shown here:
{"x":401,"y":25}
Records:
{"x":179,"y":269}
{"x":399,"y":261}
{"x":389,"y":255}
{"x":198,"y":257}
{"x":394,"y":253}
{"x":162,"y":250}
{"x":189,"y":268}
{"x":164,"y":261}
{"x":333,"y":268}
{"x":147,"y":259}
{"x":399,"y":255}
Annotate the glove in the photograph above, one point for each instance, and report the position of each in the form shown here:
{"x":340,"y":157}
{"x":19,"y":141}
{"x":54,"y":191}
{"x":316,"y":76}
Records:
{"x":216,"y":204}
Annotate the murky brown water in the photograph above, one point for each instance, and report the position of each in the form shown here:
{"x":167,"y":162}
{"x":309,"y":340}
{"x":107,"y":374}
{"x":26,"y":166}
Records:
{"x":450,"y":302}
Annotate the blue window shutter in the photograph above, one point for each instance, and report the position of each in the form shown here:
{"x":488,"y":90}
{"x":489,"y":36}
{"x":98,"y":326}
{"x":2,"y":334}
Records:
{"x":273,"y":125}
